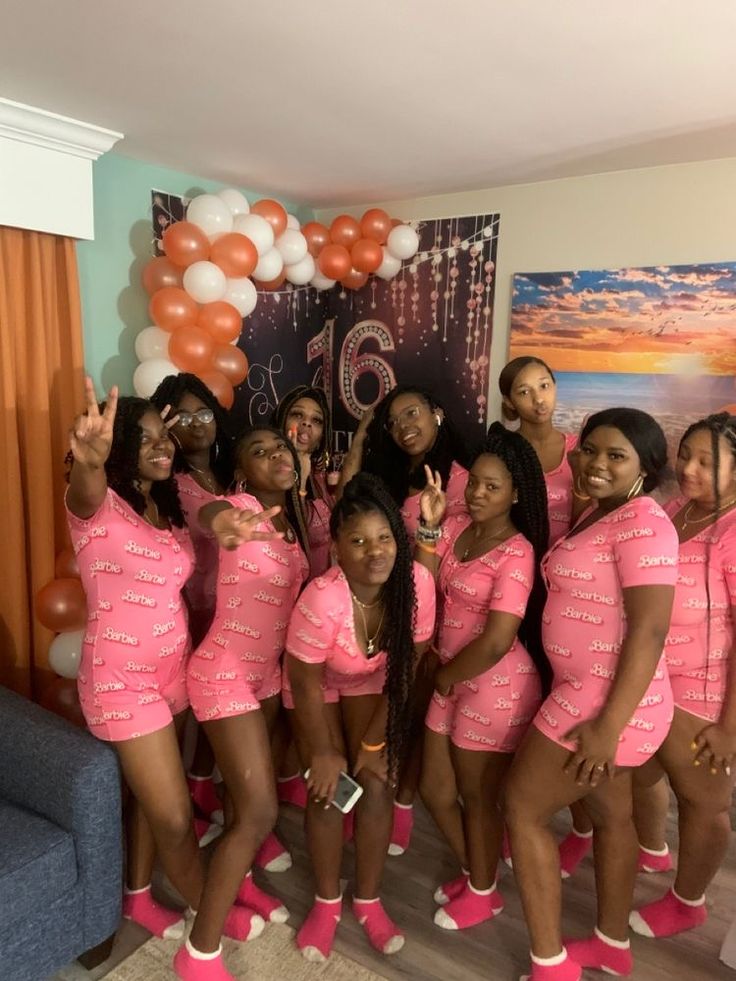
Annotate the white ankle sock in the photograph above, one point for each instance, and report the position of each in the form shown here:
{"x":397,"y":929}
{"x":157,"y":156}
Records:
{"x":199,"y":956}
{"x":582,"y":834}
{"x":550,"y":961}
{"x":404,"y":807}
{"x":319,"y":899}
{"x":655,"y":851}
{"x":619,"y":944}
{"x":197,"y":776}
{"x":137,"y":892}
{"x":689,"y":902}
{"x":481,"y":892}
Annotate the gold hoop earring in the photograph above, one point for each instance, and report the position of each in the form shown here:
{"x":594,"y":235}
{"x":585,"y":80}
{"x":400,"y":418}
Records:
{"x":240,"y":486}
{"x":635,"y":488}
{"x":438,"y":417}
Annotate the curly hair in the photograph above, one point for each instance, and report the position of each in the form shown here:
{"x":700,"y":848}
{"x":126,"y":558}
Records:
{"x":170,"y":392}
{"x":321,"y":456}
{"x":386,"y":460}
{"x":294,"y":507}
{"x":645,"y":435}
{"x":121,"y":467}
{"x":530,"y":516}
{"x":366,"y":494}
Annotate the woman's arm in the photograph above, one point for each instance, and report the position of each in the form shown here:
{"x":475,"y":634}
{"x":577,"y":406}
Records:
{"x":325,"y":760}
{"x":90,"y":440}
{"x":481,"y":653}
{"x":432,"y":507}
{"x":353,"y":461}
{"x":715,"y":744}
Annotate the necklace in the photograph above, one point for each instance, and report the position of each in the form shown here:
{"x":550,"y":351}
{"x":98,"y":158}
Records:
{"x":483,"y":538}
{"x":155,"y":522}
{"x":365,"y":606}
{"x":370,"y":642}
{"x":206,"y":477}
{"x":687,"y":520}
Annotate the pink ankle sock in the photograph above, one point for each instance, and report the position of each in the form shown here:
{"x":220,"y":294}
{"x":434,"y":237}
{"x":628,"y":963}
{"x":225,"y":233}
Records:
{"x":667,"y":916}
{"x":317,"y":933}
{"x":469,"y":909}
{"x":271,"y":909}
{"x":451,"y":890}
{"x":191,"y":965}
{"x":203,"y":793}
{"x":272,"y":856}
{"x":243,"y":924}
{"x":142,"y":908}
{"x":348,"y":826}
{"x":650,"y":861}
{"x":292,"y":790}
{"x":560,"y":968}
{"x":601,"y":953}
{"x":206,"y":831}
{"x":402,"y":828}
{"x":506,"y":849}
{"x":381,"y":931}
{"x":573,"y":849}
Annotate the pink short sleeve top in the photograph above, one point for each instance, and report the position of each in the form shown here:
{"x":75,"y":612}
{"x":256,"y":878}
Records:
{"x":201,"y":589}
{"x":322,"y":628}
{"x":559,"y":493}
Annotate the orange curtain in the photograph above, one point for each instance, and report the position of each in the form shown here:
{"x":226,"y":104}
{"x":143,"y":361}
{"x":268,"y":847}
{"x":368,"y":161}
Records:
{"x":41,"y":372}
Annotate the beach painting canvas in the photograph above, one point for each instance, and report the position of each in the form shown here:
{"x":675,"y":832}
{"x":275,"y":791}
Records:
{"x":659,"y":338}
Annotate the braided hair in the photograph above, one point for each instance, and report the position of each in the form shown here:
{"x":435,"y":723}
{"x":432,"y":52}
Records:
{"x":321,"y":456}
{"x":529,"y":515}
{"x":121,"y":466}
{"x":386,"y":460}
{"x":294,"y":507}
{"x":170,"y":392}
{"x":366,"y":494}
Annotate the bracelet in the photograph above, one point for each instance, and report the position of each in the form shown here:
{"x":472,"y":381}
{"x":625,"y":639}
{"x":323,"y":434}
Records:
{"x":428,"y":535}
{"x":302,"y":493}
{"x":372,"y":749}
{"x":431,"y":549}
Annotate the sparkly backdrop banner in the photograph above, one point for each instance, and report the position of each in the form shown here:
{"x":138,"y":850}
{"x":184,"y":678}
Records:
{"x":431,"y":326}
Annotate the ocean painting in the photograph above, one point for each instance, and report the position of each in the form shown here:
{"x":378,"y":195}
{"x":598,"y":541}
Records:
{"x":660,"y":338}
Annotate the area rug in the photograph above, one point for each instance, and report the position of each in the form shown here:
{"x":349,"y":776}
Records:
{"x":272,"y":957}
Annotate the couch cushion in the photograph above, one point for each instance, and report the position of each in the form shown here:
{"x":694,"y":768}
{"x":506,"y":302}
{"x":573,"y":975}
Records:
{"x":37,"y":861}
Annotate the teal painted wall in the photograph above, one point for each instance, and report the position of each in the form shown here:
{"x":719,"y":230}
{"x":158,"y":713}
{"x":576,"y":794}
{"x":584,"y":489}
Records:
{"x":114,"y":303}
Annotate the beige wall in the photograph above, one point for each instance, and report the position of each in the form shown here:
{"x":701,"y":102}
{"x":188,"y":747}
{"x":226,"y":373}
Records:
{"x":656,"y":216}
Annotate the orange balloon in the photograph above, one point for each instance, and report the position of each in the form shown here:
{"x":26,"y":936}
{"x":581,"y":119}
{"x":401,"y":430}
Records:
{"x":367,"y":255}
{"x":235,"y":254}
{"x":66,"y":566}
{"x":171,"y":307}
{"x":345,"y":230}
{"x":730,"y":409}
{"x":221,"y":321}
{"x":219,"y":386}
{"x":317,"y":236}
{"x":375,"y":224}
{"x":354,"y":279}
{"x":334,"y":261}
{"x":61,"y":605}
{"x":185,"y":243}
{"x":271,"y":284}
{"x":395,"y":222}
{"x":191,"y":348}
{"x":232,"y":362}
{"x":273,"y":212}
{"x":61,"y":696}
{"x":160,"y":272}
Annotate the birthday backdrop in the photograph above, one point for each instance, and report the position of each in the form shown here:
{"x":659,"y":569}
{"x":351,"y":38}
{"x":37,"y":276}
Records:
{"x":430,"y":325}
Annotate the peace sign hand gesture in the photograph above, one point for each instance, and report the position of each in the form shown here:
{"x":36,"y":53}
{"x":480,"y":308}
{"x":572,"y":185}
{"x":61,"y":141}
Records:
{"x":433,"y":500}
{"x":90,"y":438}
{"x":233,"y":527}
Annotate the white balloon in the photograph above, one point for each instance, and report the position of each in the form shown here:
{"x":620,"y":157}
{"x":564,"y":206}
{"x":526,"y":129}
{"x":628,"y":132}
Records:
{"x":149,"y":375}
{"x":321,"y":282}
{"x":269,"y":266}
{"x":211,"y":214}
{"x":205,"y":282}
{"x":300,"y":273}
{"x":242,"y":294}
{"x":257,"y":229}
{"x":65,"y":653}
{"x":292,"y":221}
{"x":402,"y":242}
{"x":292,"y":245}
{"x":152,"y":342}
{"x":235,"y":200}
{"x":390,"y":266}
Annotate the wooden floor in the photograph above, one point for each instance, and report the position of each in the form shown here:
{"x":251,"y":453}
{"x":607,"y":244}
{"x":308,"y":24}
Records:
{"x":497,"y":951}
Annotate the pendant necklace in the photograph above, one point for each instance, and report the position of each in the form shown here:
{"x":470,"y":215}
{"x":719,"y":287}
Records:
{"x":370,"y":642}
{"x":206,"y":477}
{"x":687,"y":520}
{"x":477,"y":541}
{"x":154,"y":523}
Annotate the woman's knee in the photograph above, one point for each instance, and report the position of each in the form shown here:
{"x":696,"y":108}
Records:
{"x":376,"y":794}
{"x":173,"y":825}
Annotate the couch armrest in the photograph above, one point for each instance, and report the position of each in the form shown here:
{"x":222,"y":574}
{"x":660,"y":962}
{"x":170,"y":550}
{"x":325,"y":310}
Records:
{"x":63,"y":773}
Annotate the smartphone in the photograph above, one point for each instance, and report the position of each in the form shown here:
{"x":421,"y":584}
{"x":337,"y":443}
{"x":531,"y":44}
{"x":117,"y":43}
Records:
{"x":348,"y":792}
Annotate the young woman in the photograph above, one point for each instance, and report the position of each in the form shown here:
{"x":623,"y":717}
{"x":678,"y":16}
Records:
{"x":611,"y":583}
{"x":304,"y":415}
{"x":407,"y":430}
{"x":698,"y":754}
{"x":203,"y":472}
{"x":353,"y":644}
{"x":488,"y":688}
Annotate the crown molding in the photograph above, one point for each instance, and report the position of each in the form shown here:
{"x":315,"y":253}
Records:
{"x":26,"y":124}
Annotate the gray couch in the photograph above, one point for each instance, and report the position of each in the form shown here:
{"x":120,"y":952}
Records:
{"x":60,"y":841}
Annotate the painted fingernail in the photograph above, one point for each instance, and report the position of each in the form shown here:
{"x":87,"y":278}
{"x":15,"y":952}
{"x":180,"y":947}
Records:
{"x":713,"y":770}
{"x":696,"y":762}
{"x":728,"y":771}
{"x":693,"y":745}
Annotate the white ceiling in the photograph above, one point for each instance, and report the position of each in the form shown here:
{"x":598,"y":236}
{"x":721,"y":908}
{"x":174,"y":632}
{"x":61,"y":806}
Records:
{"x":337,"y":101}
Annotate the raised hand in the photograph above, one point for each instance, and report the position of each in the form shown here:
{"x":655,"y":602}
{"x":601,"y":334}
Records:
{"x":90,"y":437}
{"x":433,"y":500}
{"x":233,"y":527}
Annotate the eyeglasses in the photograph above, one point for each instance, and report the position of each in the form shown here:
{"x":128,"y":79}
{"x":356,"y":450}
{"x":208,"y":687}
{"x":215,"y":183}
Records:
{"x":185,"y":419}
{"x":408,"y":415}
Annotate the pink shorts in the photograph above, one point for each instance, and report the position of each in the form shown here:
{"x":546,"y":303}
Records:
{"x":701,"y":692}
{"x":118,"y":714}
{"x":490,"y":713}
{"x":220,"y":695}
{"x":372,"y":684}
